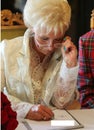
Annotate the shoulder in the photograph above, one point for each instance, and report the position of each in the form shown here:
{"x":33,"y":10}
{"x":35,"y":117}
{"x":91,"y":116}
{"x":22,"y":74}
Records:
{"x":87,"y":36}
{"x":12,"y":44}
{"x":87,"y":39}
{"x":9,"y":42}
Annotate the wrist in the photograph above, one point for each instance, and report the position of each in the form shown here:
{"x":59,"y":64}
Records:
{"x":71,"y":64}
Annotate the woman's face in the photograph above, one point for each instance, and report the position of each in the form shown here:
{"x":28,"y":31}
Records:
{"x":47,"y":43}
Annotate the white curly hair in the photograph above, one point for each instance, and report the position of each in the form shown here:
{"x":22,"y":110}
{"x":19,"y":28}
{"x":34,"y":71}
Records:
{"x":52,"y":14}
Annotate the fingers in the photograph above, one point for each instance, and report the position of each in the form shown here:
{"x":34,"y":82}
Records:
{"x":40,"y":112}
{"x":34,"y":115}
{"x":67,"y":46}
{"x":67,"y":37}
{"x":37,"y":116}
{"x":46,"y":112}
{"x":69,"y":52}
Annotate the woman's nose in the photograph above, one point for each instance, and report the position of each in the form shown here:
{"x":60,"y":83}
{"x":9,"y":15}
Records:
{"x":50,"y":48}
{"x":51,"y":45}
{"x":51,"y":42}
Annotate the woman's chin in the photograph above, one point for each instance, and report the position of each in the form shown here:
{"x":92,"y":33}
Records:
{"x":47,"y":52}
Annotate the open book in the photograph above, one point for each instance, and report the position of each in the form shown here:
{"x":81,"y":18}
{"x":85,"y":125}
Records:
{"x":63,"y":120}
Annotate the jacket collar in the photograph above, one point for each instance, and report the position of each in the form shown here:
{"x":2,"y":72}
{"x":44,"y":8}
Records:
{"x":25,"y":47}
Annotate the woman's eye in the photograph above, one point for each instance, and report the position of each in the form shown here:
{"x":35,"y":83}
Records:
{"x":44,"y":38}
{"x":58,"y":40}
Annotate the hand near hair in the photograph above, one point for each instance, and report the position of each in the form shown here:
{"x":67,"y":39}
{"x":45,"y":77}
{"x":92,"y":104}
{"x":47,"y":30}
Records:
{"x":69,"y":52}
{"x":40,"y":112}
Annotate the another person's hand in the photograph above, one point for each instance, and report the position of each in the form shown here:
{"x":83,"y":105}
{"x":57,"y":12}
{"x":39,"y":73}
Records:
{"x":69,"y":52}
{"x":40,"y":112}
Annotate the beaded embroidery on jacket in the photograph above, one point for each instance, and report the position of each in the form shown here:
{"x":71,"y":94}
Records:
{"x":37,"y":69}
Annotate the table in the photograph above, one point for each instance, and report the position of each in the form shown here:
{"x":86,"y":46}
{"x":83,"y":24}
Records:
{"x":84,"y":116}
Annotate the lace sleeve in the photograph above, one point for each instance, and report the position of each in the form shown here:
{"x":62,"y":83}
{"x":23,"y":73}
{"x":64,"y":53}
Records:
{"x":65,"y":86}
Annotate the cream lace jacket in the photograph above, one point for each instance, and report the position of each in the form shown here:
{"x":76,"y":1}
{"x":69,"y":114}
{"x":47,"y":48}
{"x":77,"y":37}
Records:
{"x":24,"y":80}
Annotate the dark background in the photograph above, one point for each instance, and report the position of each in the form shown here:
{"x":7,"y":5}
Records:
{"x":81,"y":14}
{"x":80,"y":21}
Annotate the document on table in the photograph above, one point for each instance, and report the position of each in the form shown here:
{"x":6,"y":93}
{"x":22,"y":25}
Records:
{"x":63,"y":120}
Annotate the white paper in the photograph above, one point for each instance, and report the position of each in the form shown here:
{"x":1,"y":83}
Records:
{"x":61,"y":115}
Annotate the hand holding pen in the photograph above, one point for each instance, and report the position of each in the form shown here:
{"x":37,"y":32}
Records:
{"x":44,"y":103}
{"x":69,"y":52}
{"x":40,"y":112}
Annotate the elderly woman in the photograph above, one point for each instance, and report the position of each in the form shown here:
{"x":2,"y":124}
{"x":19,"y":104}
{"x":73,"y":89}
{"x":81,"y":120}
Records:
{"x":41,"y":65}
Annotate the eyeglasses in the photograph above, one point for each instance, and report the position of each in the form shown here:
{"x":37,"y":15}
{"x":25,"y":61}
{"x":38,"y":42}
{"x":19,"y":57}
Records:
{"x":46,"y":42}
{"x":55,"y":45}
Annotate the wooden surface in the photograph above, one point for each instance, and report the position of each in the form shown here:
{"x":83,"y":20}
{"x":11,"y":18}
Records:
{"x":13,"y":27}
{"x":9,"y":32}
{"x":74,"y":105}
